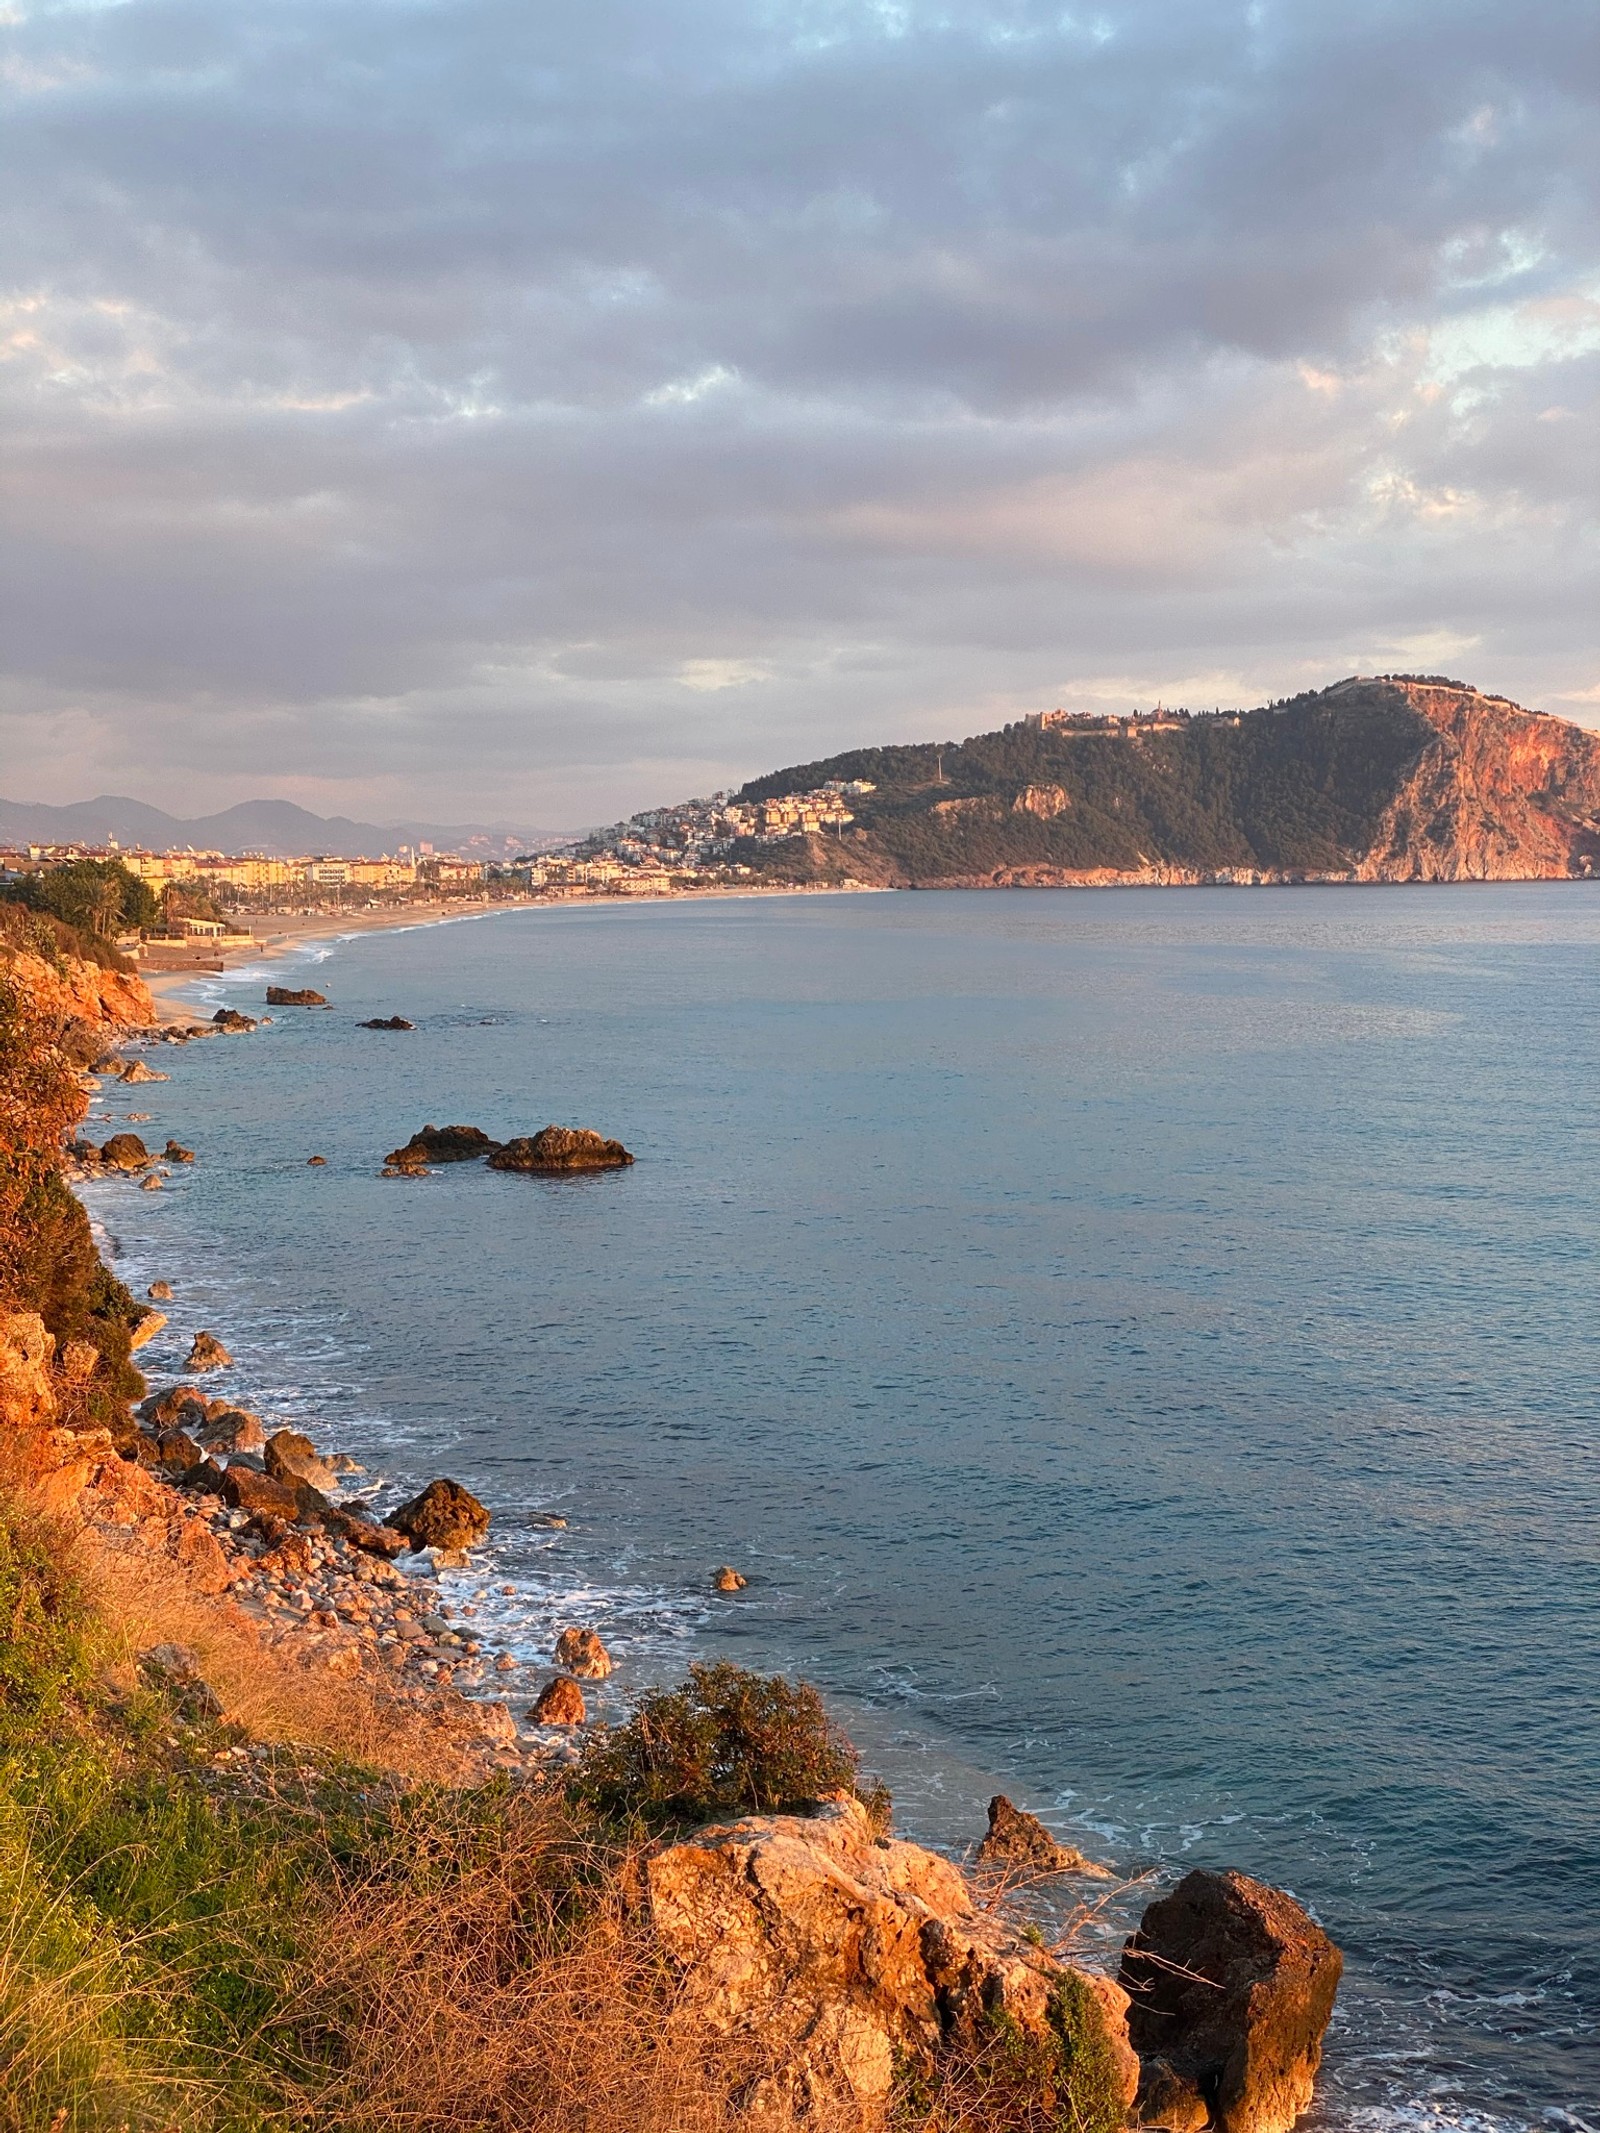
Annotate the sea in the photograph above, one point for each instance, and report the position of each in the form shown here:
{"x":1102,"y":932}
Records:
{"x":1139,"y":1345}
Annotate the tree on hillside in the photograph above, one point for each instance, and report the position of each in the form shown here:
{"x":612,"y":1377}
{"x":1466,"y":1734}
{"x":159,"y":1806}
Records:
{"x":98,"y":896}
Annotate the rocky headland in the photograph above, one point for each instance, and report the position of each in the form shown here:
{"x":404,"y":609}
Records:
{"x":385,"y":1893}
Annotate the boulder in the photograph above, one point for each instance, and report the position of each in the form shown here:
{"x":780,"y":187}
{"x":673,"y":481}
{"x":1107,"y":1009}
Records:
{"x":362,"y":1531}
{"x":1019,"y":1843}
{"x":207,"y":1478}
{"x":174,"y":1153}
{"x":150,"y":1184}
{"x":727,"y":1579}
{"x":442,"y":1144}
{"x":560,"y":1704}
{"x":207,"y":1353}
{"x":159,"y":1292}
{"x":229,"y":1018}
{"x":287,"y":996}
{"x":243,"y":1489}
{"x":581,"y":1652}
{"x":561,"y":1148}
{"x":316,"y":1162}
{"x":124,"y":1151}
{"x":291,"y":1458}
{"x":177,"y":1452}
{"x":136,"y":1071}
{"x":389,"y":1022}
{"x":844,"y":1956}
{"x":445,"y":1515}
{"x":1231,"y":1986}
{"x":235,"y":1430}
{"x":179,"y":1407}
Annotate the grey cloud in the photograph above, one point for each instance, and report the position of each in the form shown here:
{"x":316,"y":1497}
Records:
{"x":414,"y":394}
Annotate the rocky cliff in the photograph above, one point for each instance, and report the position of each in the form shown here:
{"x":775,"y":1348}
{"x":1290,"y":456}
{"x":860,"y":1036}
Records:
{"x":1386,"y":779}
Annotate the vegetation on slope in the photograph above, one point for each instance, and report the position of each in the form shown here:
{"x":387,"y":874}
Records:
{"x":1298,"y":786}
{"x":96,"y":897}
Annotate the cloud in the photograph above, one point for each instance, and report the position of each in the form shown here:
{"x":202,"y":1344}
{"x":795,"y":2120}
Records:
{"x":401,"y":401}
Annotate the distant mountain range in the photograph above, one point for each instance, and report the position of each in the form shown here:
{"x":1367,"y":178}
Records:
{"x":1387,"y":778}
{"x":276,"y":828}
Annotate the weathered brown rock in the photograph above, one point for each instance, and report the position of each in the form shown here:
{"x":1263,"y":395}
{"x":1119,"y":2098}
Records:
{"x":1231,"y":1985}
{"x":243,"y":1489}
{"x":1020,"y":1844}
{"x":124,"y":1151}
{"x":560,"y":1704}
{"x":179,"y":1407}
{"x":444,"y":1515}
{"x":844,"y":1955}
{"x":288,"y":996}
{"x":442,"y":1144}
{"x":160,"y":1292}
{"x":357,"y":1525}
{"x":229,"y":1018}
{"x":561,"y":1148}
{"x":727,"y":1579}
{"x":235,"y":1430}
{"x":173,"y":1153}
{"x":135,"y":1071}
{"x":176,"y":1451}
{"x":316,"y":1162}
{"x":581,"y":1652}
{"x":291,"y":1457}
{"x":147,"y":1326}
{"x":389,"y":1022}
{"x":207,"y":1353}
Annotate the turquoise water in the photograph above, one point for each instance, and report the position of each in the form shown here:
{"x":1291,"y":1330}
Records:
{"x":1139,"y":1344}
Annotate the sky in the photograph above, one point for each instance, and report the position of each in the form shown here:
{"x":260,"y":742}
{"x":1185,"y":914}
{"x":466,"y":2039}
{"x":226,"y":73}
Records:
{"x":534,"y":410}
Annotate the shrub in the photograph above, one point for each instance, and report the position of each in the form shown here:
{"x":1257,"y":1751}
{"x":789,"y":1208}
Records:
{"x":1011,"y":2081}
{"x":727,"y":1742}
{"x":42,"y":1620}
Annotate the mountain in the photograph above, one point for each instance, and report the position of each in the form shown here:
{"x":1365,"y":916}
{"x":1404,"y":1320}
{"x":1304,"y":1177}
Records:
{"x":1392,"y":778}
{"x":276,"y":828}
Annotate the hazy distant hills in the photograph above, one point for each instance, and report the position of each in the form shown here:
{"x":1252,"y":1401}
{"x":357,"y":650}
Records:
{"x":276,"y":828}
{"x":1390,"y":779}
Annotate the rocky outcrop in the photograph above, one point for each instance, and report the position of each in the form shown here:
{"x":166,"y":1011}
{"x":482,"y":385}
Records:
{"x":124,"y":1151}
{"x":83,"y":993}
{"x":444,"y":1515}
{"x":558,"y":1148}
{"x":442,"y":1144}
{"x":560,"y":1703}
{"x":206,"y":1352}
{"x":287,"y":996}
{"x":726,"y":1579}
{"x":1019,"y":1845}
{"x":849,"y":1956}
{"x":580,"y":1652}
{"x":1231,"y":1985}
{"x":388,"y":1022}
{"x":230,"y":1019}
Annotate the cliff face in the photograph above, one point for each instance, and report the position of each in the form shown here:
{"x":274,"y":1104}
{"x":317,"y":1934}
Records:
{"x":1371,"y":780}
{"x":81,"y":992}
{"x":1498,"y":794}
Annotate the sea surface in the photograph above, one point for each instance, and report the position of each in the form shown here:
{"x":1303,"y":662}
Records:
{"x":1140,"y":1345}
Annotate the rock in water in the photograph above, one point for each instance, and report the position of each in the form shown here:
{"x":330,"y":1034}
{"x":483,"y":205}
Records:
{"x":445,"y":1515}
{"x":286,"y":996}
{"x":234,"y":1430}
{"x":207,"y":1353}
{"x":727,"y":1579}
{"x":1231,"y":1985}
{"x":1017,"y":1840}
{"x":175,"y":1153}
{"x":581,"y":1652}
{"x":291,"y":1457}
{"x":560,"y":1704}
{"x":317,"y":1162}
{"x":561,"y":1148}
{"x":229,"y":1018}
{"x":159,"y":1292}
{"x":847,"y":1955}
{"x":124,"y":1151}
{"x":442,"y":1144}
{"x":136,"y":1071}
{"x":389,"y":1022}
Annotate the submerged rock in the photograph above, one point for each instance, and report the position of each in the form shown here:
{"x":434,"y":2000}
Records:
{"x":175,"y":1153}
{"x":442,"y":1144}
{"x":581,"y":1652}
{"x":388,"y":1022}
{"x":560,"y":1704}
{"x":159,"y":1292}
{"x":287,"y":996}
{"x":1019,"y":1841}
{"x":1231,"y":1987}
{"x":316,"y":1162}
{"x":444,"y":1515}
{"x":561,"y":1148}
{"x":848,"y":1956}
{"x":207,"y":1353}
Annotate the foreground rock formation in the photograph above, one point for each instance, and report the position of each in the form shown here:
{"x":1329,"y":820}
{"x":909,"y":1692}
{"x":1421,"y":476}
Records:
{"x":1019,"y":1845}
{"x":561,"y":1148}
{"x":1231,"y":1986}
{"x":852,"y":1955}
